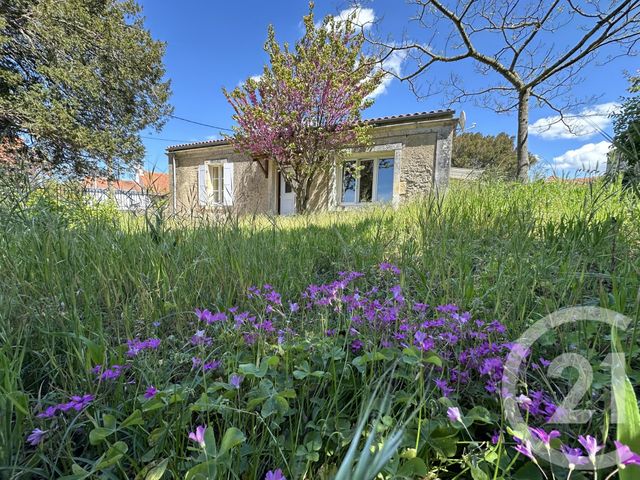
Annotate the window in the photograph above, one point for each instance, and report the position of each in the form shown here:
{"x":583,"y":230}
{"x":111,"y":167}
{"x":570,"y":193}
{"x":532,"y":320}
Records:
{"x":216,"y":183}
{"x":367,"y":180}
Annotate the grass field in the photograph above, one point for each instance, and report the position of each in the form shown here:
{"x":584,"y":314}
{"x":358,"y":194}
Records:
{"x":73,"y":291}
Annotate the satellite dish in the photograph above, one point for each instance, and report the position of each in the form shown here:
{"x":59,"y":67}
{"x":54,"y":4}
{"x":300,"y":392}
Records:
{"x":462,"y":121}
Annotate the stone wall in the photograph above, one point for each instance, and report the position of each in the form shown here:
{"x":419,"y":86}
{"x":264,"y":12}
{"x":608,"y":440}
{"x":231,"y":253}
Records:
{"x":251,"y":187}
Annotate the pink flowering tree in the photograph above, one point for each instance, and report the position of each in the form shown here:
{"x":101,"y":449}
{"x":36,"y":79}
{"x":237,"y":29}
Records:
{"x":304,"y":110}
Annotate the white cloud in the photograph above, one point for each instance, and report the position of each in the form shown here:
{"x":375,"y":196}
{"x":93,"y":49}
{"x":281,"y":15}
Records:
{"x":364,"y":17}
{"x":585,"y":123}
{"x":252,"y":77}
{"x":393,"y":64}
{"x":589,"y":157}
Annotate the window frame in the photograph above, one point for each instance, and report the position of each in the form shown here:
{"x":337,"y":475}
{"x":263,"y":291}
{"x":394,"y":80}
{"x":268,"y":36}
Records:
{"x":374,"y":194}
{"x":211,"y":188}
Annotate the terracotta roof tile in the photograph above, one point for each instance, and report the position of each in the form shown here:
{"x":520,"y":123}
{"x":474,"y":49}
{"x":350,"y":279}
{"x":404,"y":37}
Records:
{"x":148,"y":181}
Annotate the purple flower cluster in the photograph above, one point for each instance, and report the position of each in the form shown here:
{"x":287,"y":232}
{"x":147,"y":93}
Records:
{"x":76,"y":403}
{"x":537,"y":403}
{"x":275,"y":475}
{"x":575,"y":456}
{"x":136,"y":345}
{"x":111,"y":373}
{"x":209,"y":317}
{"x":206,"y":366}
{"x":389,"y":267}
{"x":201,"y":338}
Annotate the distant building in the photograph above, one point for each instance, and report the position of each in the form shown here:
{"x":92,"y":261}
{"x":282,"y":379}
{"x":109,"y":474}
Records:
{"x":131,"y":195}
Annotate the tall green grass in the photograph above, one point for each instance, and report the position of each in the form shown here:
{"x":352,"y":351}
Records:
{"x":507,"y":251}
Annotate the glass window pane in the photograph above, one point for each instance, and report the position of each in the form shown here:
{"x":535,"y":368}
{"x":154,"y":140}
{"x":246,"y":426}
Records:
{"x":366,"y":180}
{"x":385,"y":180}
{"x":216,"y":182}
{"x":349,"y":182}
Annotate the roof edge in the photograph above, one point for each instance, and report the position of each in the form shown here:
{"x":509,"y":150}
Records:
{"x":380,"y":121}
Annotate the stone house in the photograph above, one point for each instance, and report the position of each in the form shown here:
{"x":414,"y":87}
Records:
{"x":410,"y":155}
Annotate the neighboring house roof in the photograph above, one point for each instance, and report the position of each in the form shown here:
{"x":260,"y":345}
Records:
{"x":158,"y":182}
{"x":379,"y":121}
{"x":145,"y":181}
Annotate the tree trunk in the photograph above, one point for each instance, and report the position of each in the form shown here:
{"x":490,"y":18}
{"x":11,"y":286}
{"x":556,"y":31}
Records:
{"x":522,"y":147}
{"x":302,"y":196}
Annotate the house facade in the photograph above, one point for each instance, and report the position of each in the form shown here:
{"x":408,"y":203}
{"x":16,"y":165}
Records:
{"x":410,"y":155}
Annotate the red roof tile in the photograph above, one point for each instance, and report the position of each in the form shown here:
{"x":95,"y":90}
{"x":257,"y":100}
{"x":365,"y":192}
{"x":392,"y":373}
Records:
{"x":148,"y":181}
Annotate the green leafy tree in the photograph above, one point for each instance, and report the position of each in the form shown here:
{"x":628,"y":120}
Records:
{"x":626,"y":128}
{"x":79,"y":79}
{"x":489,"y":152}
{"x":305,"y":108}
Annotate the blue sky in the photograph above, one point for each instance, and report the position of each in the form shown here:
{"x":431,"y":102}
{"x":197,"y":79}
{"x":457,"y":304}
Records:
{"x":211,"y":45}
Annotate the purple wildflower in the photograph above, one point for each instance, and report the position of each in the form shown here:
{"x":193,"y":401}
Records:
{"x":495,"y":437}
{"x":150,"y":392}
{"x":574,"y":456}
{"x":203,"y":315}
{"x":330,"y":332}
{"x":136,"y":345}
{"x":389,"y":267}
{"x":212,"y":365}
{"x":445,"y":389}
{"x":275,"y":475}
{"x":36,"y":437}
{"x":235,"y":380}
{"x":155,"y":324}
{"x":420,"y":307}
{"x":273,"y":297}
{"x":294,"y":307}
{"x":200,"y":338}
{"x":453,"y":414}
{"x":76,"y":402}
{"x":591,"y":446}
{"x":112,"y":373}
{"x":49,"y":412}
{"x":356,"y":345}
{"x":198,"y":435}
{"x":524,"y":447}
{"x":249,"y":338}
{"x":625,"y":455}
{"x":448,"y":308}
{"x":422,"y":341}
{"x":543,"y":436}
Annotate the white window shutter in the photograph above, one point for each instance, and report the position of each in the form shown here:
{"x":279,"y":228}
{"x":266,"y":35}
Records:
{"x":202,"y":185}
{"x":228,"y":183}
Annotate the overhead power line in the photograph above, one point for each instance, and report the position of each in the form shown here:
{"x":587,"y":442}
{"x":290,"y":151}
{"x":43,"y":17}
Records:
{"x":164,"y":139}
{"x":200,"y":123}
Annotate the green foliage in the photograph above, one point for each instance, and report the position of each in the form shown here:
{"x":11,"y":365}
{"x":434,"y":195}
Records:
{"x":80,"y":79}
{"x":625,"y":157}
{"x":628,"y":431}
{"x":67,"y":205}
{"x":494,"y":153}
